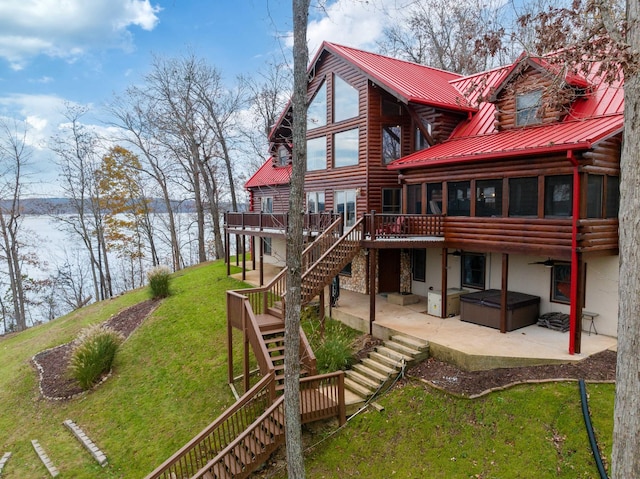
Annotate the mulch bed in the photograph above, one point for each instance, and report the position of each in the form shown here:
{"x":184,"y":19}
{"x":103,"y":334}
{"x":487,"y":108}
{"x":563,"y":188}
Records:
{"x":600,"y":367}
{"x":53,"y":363}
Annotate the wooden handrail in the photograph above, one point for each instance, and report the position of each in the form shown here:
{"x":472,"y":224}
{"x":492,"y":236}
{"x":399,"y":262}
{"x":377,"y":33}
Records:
{"x":217,"y":435}
{"x":322,"y":243}
{"x":321,"y":397}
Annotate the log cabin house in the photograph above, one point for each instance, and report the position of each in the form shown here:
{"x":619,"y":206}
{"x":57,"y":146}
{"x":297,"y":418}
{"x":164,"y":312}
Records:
{"x":501,"y":185}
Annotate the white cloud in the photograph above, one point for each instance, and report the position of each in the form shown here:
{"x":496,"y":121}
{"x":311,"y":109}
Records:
{"x":67,"y":29}
{"x":355,"y":23}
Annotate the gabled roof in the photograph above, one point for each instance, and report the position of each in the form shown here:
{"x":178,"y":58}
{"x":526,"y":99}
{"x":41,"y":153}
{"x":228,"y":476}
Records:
{"x":410,"y":82}
{"x":536,"y":140}
{"x":269,"y":175}
{"x":540,"y":64}
{"x":592,"y":118}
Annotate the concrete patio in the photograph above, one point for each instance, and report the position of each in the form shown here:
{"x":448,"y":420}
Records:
{"x":470,"y":346}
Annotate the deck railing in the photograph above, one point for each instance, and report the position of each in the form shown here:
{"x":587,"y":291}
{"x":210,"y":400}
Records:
{"x":322,"y":243}
{"x":381,"y":226}
{"x":219,"y":434}
{"x":312,"y":223}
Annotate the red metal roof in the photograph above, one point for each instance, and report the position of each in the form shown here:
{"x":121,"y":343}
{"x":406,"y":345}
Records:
{"x":596,"y":116}
{"x":269,"y":175}
{"x":542,"y":139}
{"x":411,"y":81}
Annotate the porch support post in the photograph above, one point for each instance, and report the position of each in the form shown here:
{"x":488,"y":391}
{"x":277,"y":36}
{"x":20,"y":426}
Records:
{"x":226,"y":250}
{"x":579,"y":300}
{"x":444,"y":282}
{"x":237,"y":249}
{"x":229,"y":346}
{"x":253,"y":251}
{"x":244,"y":257}
{"x":261,"y":248}
{"x":576,"y":307}
{"x":505,"y":290}
{"x":372,"y":288}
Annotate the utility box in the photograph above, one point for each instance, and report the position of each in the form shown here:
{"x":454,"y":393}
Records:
{"x":434,"y":302}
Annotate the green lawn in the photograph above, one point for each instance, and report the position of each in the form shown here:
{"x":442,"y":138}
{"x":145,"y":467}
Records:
{"x":170,"y":381}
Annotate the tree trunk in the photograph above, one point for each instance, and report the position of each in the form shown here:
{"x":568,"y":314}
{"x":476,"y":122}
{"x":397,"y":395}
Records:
{"x":626,"y":428}
{"x":295,"y":455}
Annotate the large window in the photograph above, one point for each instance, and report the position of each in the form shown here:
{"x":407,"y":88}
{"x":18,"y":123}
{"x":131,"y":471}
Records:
{"x":558,"y":195}
{"x":434,"y":198}
{"x":266,"y":204}
{"x":391,"y":143}
{"x":414,"y":199}
{"x":561,"y":283}
{"x":317,"y":111}
{"x":489,"y":197}
{"x":345,"y":103}
{"x":315,"y":201}
{"x":613,"y":196}
{"x":523,"y":196}
{"x":419,"y":264}
{"x":345,"y":204}
{"x":317,"y":154}
{"x":595,"y":191}
{"x":473,"y":270}
{"x":458,"y":203}
{"x":391,"y":200}
{"x":345,"y":148}
{"x":266,"y":246}
{"x":527,"y":107}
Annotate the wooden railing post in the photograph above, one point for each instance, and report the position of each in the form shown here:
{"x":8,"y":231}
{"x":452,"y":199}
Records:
{"x":372,"y":225}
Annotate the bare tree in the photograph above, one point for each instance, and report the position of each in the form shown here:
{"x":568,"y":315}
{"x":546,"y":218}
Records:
{"x":269,"y":91}
{"x":134,"y":114}
{"x":444,"y":34}
{"x":13,"y":158}
{"x":77,"y":150}
{"x":295,"y":456}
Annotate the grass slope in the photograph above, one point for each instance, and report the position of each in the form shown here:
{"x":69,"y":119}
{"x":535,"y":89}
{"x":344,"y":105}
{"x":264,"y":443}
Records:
{"x":170,"y":381}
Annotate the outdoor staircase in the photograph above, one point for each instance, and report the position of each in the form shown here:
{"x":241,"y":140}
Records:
{"x":378,"y":371}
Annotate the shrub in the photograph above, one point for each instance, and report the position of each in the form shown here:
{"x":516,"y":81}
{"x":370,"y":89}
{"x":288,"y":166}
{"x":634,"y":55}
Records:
{"x":93,"y":354}
{"x":159,"y":282}
{"x":333,"y":354}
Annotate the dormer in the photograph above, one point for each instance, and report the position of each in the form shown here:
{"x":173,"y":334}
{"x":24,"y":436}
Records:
{"x":533,"y":92}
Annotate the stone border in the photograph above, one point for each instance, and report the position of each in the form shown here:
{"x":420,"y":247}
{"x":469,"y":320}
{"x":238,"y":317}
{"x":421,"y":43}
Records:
{"x":97,"y":454}
{"x":4,"y":460}
{"x":44,"y":458}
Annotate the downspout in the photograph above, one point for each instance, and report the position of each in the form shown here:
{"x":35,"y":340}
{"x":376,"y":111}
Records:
{"x":573,"y":316}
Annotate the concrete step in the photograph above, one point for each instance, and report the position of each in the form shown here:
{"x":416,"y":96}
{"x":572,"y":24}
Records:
{"x":385,"y":360}
{"x":371,"y":373}
{"x":379,"y":366}
{"x":410,"y":353}
{"x":413,"y":343}
{"x":362,"y":380}
{"x":358,"y":389}
{"x":393,"y":354}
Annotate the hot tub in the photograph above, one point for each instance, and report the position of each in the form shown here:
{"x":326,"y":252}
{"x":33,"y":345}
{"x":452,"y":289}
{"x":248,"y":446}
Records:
{"x":483,"y":308}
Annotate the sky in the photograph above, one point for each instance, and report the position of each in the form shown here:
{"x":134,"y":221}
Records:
{"x":55,"y":52}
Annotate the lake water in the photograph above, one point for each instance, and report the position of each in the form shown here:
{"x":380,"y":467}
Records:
{"x":47,"y":240}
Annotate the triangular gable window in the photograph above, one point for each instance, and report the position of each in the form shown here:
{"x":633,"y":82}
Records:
{"x":317,"y":111}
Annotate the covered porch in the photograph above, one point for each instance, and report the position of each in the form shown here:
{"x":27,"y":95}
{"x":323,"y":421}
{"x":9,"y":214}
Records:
{"x":469,"y":346}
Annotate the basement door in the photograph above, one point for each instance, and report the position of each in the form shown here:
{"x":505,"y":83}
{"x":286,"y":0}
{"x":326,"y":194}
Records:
{"x":388,"y":271}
